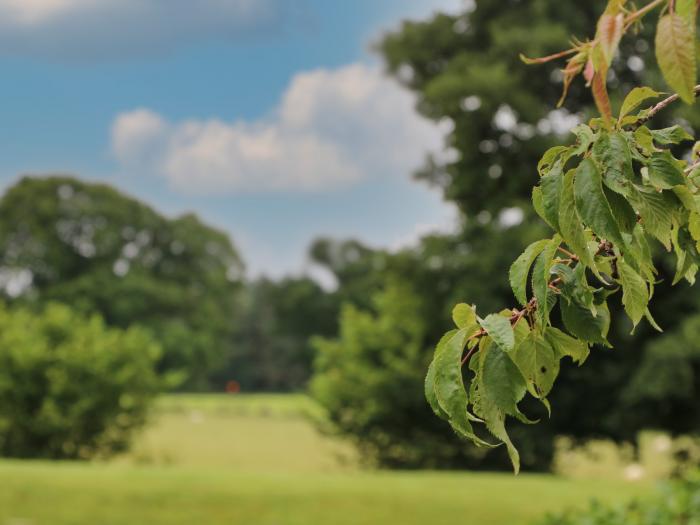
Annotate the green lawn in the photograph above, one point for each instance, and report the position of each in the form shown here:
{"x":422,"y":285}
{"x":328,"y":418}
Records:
{"x":257,"y":460}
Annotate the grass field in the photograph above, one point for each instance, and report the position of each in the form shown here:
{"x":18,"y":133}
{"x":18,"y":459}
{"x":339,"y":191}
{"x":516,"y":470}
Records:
{"x":257,"y":460}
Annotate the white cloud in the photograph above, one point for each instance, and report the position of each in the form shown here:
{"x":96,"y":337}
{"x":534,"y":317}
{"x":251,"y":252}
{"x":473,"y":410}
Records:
{"x":332,"y":128}
{"x":92,"y":29}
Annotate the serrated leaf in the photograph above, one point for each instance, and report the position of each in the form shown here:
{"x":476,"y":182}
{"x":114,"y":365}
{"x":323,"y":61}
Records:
{"x":644,"y":140}
{"x":449,"y":384}
{"x":570,"y":224}
{"x":612,"y":153}
{"x":635,"y":294}
{"x":581,"y":323}
{"x":501,"y":380}
{"x":610,"y":29}
{"x":625,"y":216}
{"x":635,"y":98}
{"x":551,"y":184}
{"x":538,"y":363}
{"x":430,"y":395}
{"x":495,"y":423}
{"x":687,"y":197}
{"x":538,"y":204}
{"x":463,"y":315}
{"x":521,"y":268}
{"x":657,"y":212}
{"x":675,"y":53}
{"x":584,"y":138}
{"x":540,"y":279}
{"x":665,"y":172}
{"x":550,"y":157}
{"x":565,"y":345}
{"x":673,"y":135}
{"x":694,"y":227}
{"x":500,"y":330}
{"x":592,"y":206}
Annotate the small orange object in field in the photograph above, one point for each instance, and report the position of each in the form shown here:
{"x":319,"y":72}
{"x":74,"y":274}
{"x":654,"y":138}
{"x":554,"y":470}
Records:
{"x":233,"y":387}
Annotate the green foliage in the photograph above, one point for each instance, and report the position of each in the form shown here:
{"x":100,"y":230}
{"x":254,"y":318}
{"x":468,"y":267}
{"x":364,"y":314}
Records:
{"x":99,"y":250}
{"x":619,"y":207}
{"x":70,"y":387}
{"x":367,"y":380}
{"x":678,"y":504}
{"x":271,"y":350}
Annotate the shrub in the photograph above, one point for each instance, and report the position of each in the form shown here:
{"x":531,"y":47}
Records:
{"x":369,"y":380}
{"x":679,"y":504}
{"x":70,"y":387}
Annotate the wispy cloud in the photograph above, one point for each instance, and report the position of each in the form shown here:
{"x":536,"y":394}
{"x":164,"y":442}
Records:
{"x":332,"y":129}
{"x":102,"y":29}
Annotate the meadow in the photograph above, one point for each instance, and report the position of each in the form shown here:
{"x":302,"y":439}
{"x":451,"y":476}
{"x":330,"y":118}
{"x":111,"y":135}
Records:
{"x":259,"y":460}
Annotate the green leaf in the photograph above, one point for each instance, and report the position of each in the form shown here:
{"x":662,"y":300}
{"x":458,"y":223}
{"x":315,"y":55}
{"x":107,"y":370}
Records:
{"x":644,"y":140}
{"x":625,"y":216}
{"x":494,"y":419}
{"x":665,"y":172}
{"x":592,"y":206}
{"x":673,"y":135}
{"x":430,"y":379}
{"x":570,"y":224}
{"x":521,"y":268}
{"x":612,"y":153}
{"x":635,"y":294}
{"x":501,"y":380}
{"x":538,"y":204}
{"x":540,"y":279}
{"x":500,"y":330}
{"x":657,"y":212}
{"x":687,"y":197}
{"x":463,"y":315}
{"x":551,"y":190}
{"x":565,"y":345}
{"x":581,"y":323}
{"x":694,"y":227}
{"x":549,"y":158}
{"x":687,"y":10}
{"x":538,"y":363}
{"x":449,"y":384}
{"x":675,"y":53}
{"x":635,"y":98}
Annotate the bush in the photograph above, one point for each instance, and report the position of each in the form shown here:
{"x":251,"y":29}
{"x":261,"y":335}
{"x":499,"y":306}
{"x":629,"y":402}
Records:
{"x":369,"y":380}
{"x":679,"y":504}
{"x":69,"y":386}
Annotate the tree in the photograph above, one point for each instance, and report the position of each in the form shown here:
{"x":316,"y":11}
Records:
{"x":70,"y":387}
{"x":607,"y":197}
{"x":88,"y":245}
{"x":365,"y":379}
{"x":272,"y":350}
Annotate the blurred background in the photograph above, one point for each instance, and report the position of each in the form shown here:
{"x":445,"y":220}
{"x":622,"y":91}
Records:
{"x":231,"y":232}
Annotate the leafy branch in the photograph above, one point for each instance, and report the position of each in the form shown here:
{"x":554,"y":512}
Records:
{"x":607,"y":197}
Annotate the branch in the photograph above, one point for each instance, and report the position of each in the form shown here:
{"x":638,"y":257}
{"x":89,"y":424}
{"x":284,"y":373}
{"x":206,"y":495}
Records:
{"x":651,"y":112}
{"x":604,"y":247}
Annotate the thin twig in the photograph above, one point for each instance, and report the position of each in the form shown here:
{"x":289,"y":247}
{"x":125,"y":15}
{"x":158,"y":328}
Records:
{"x":651,"y":112}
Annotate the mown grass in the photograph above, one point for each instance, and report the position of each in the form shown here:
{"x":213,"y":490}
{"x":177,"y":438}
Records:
{"x":258,"y":461}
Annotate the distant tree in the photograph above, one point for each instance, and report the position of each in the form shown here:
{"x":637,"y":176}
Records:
{"x":88,"y":245}
{"x":70,"y":387}
{"x":272,"y":350}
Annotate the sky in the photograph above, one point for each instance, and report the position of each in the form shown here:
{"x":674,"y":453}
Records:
{"x":271,"y":119}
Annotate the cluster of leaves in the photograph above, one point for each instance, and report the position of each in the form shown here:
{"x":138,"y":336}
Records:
{"x":675,"y":49}
{"x":608,"y":197}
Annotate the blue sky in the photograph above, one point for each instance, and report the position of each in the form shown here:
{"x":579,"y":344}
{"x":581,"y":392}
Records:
{"x":269,"y":118}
